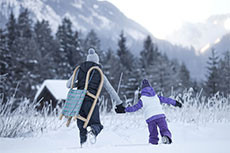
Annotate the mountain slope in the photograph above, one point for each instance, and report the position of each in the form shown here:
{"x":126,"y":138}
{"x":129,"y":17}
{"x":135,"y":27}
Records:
{"x":103,"y":17}
{"x":202,"y":33}
{"x":221,"y":46}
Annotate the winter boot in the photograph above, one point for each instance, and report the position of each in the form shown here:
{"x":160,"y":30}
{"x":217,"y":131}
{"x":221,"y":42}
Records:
{"x":91,"y":135}
{"x":166,"y":140}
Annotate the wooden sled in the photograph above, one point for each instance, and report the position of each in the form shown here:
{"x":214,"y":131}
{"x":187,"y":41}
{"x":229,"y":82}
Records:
{"x":95,"y":97}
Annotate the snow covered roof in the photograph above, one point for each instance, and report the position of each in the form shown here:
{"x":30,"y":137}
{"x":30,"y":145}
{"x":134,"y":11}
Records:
{"x":56,"y":87}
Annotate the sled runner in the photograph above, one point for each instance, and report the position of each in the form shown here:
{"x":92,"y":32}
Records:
{"x":76,"y":97}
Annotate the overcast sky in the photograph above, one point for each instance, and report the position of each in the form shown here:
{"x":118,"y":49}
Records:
{"x":162,"y":17}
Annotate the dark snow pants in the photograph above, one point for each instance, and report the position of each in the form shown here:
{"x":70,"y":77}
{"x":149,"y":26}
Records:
{"x":94,"y":122}
{"x":153,"y":133}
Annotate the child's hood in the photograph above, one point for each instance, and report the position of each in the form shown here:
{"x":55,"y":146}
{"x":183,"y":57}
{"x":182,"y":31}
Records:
{"x":148,"y":91}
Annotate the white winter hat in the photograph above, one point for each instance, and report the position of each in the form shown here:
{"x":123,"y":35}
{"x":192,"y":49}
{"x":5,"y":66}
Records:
{"x":92,"y":56}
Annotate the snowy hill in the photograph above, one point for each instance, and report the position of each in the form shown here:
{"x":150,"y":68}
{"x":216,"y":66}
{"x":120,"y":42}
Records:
{"x":125,"y":138}
{"x":200,"y":126}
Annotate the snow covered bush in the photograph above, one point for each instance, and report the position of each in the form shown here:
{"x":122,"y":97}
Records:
{"x":199,"y":109}
{"x":24,"y":120}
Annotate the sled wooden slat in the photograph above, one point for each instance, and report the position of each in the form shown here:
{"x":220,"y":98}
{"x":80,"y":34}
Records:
{"x":97,"y":94}
{"x":80,"y":117}
{"x":91,"y":95}
{"x":68,"y":122}
{"x":61,"y":116}
{"x":74,"y":75}
{"x":95,"y":97}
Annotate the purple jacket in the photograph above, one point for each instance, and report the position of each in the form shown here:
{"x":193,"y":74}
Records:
{"x":149,"y":92}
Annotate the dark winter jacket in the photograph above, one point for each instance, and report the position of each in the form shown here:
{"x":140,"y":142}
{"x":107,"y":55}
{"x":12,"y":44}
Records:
{"x":94,"y":78}
{"x":94,"y":83}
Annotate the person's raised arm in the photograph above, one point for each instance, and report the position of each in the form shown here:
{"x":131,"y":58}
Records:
{"x":113,"y":94}
{"x":169,"y":101}
{"x":135,"y":107}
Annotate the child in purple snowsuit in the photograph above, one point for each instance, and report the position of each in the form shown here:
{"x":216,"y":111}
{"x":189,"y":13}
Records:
{"x":153,"y":113}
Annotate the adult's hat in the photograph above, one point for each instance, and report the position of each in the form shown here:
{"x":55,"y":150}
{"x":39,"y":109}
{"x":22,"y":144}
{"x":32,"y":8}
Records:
{"x":92,"y":56}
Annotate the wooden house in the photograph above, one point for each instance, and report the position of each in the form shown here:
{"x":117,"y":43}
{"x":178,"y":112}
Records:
{"x":52,"y":93}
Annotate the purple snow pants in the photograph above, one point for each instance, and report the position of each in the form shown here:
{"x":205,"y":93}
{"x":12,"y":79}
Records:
{"x":164,"y":131}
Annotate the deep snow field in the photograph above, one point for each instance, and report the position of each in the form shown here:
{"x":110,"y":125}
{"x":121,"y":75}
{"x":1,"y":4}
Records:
{"x":125,"y":133}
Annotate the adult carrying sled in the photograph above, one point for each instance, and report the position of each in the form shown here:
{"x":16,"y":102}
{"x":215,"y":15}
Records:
{"x":76,"y":97}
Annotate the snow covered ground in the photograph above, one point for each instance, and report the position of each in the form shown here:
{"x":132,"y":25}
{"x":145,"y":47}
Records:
{"x":125,"y":133}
